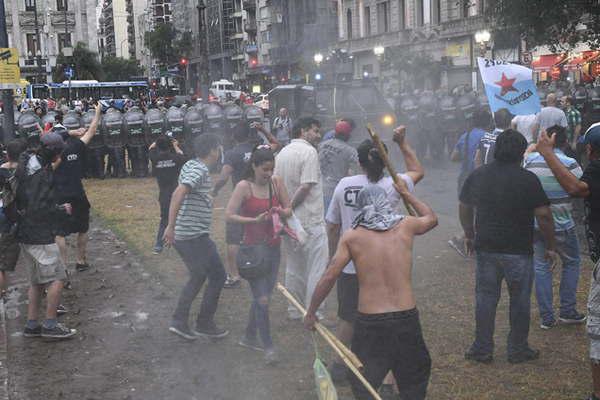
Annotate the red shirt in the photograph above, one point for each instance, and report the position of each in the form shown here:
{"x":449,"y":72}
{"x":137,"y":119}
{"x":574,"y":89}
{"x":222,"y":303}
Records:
{"x":258,"y":233}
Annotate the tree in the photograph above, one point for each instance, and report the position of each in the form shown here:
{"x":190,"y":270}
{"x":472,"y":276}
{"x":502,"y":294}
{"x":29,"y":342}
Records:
{"x":85,"y":64}
{"x":120,"y":69}
{"x":558,"y":24}
{"x":167,"y":45}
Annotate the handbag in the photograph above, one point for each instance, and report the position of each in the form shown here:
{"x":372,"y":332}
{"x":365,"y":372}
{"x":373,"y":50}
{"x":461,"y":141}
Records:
{"x":252,"y":258}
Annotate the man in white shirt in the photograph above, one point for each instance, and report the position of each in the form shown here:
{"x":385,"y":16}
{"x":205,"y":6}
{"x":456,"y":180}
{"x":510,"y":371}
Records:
{"x":549,"y":116}
{"x":342,"y":211}
{"x":298,"y":165}
{"x":525,"y":125}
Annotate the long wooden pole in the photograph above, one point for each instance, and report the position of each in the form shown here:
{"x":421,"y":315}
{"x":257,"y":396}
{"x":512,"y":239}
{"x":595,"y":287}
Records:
{"x":388,"y":165}
{"x":349,"y":358}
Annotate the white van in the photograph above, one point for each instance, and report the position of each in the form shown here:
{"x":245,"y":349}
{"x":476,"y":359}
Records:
{"x":222,"y":88}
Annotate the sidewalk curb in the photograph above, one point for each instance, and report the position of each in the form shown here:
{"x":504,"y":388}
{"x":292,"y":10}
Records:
{"x":3,"y":353}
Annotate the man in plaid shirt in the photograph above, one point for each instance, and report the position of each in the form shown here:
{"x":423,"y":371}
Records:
{"x":574,"y":121}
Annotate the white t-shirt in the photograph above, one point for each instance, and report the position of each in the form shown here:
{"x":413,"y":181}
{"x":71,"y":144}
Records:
{"x":342,"y":209}
{"x":524,"y":124}
{"x":297,"y":164}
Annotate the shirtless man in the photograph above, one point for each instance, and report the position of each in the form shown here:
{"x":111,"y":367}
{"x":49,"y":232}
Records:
{"x":387,"y":331}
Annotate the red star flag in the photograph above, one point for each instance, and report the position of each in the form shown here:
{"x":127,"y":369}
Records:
{"x":509,"y":86}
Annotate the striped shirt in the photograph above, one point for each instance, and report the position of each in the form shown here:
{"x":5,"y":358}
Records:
{"x":195,"y":215}
{"x":560,"y":201}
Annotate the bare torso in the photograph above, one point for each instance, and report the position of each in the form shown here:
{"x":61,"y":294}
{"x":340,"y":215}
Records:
{"x":383,"y":263}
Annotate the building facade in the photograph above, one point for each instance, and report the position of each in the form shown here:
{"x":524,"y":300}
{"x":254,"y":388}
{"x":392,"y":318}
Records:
{"x":117,"y":27}
{"x":438,"y":34}
{"x":40,"y":29}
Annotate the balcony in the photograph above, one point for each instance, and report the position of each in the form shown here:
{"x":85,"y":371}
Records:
{"x":367,"y":43}
{"x":252,"y":48}
{"x":462,"y":26}
{"x":250,"y":26}
{"x":249,"y":4}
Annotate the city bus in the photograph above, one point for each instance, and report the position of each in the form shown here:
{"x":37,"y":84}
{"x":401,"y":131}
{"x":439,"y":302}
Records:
{"x":81,"y":89}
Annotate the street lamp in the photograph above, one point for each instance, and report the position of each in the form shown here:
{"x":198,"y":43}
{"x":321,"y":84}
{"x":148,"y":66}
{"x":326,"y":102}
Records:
{"x":318,"y":58}
{"x":379,"y":51}
{"x":482,"y":38}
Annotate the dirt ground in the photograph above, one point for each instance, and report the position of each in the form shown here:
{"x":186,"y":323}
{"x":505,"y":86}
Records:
{"x":122,"y":308}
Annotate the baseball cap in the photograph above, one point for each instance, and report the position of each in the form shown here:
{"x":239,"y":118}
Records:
{"x":592,"y":136}
{"x":343,"y":128}
{"x":53,"y":140}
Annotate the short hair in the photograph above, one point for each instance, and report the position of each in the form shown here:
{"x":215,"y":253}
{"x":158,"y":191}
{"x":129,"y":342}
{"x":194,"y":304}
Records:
{"x":510,"y":146}
{"x":503,"y":118}
{"x":14,"y":148}
{"x":483,"y":119}
{"x":206,"y":143}
{"x":304,"y":123}
{"x":58,"y":117}
{"x":241,"y":132}
{"x":163,"y":143}
{"x":350,"y":121}
{"x":569,"y":100}
{"x":561,"y":135}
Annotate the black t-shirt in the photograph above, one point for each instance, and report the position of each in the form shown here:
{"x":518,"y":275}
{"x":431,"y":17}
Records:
{"x":238,"y":158}
{"x":505,"y":196}
{"x":166,"y":166}
{"x":68,"y":175}
{"x":487,"y":146}
{"x":591,"y":176}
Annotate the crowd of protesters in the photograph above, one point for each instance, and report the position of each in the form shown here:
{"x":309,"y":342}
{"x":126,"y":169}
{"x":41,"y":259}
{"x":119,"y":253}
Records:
{"x":329,"y":213}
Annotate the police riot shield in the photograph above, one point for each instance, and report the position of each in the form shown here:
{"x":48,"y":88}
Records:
{"x":29,"y":128}
{"x":234,"y":116}
{"x":253,"y":114}
{"x":71,"y":120}
{"x":133,"y":127}
{"x":154,"y":125}
{"x":213,"y":119}
{"x":192,"y":124}
{"x":112,"y":128}
{"x":174,"y":123}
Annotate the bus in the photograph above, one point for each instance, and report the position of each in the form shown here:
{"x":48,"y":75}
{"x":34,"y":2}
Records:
{"x":81,"y":89}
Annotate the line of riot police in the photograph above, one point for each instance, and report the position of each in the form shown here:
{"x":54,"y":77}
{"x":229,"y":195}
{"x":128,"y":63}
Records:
{"x":120,"y":148}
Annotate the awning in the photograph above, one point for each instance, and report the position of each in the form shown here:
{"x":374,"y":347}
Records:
{"x":580,"y":60}
{"x":546,"y":62}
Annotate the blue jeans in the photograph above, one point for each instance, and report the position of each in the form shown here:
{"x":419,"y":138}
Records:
{"x":262,"y":288}
{"x":517,"y":270}
{"x":568,"y":248}
{"x":201,"y":258}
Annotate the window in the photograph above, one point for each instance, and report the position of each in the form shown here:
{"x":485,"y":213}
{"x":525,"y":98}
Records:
{"x":436,"y":6}
{"x":62,"y":5}
{"x":367,"y":21}
{"x":401,"y":14}
{"x":63,"y":41}
{"x":383,"y":17}
{"x":419,"y":9}
{"x":349,"y":23}
{"x":32,"y":45}
{"x":29,"y":5}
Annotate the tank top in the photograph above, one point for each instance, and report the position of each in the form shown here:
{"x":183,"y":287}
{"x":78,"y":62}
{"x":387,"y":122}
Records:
{"x":259,"y":233}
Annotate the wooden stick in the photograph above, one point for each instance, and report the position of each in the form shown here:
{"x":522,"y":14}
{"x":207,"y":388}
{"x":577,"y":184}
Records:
{"x":324,"y":332}
{"x":388,"y":165}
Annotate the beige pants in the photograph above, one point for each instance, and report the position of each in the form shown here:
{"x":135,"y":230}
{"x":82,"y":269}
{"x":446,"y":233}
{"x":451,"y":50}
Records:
{"x":305,"y":264}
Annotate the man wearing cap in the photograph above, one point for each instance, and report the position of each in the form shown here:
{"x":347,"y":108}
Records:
{"x":38,"y":216}
{"x":337,"y":158}
{"x":587,"y":187}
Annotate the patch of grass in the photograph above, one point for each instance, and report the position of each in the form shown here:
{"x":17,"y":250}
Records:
{"x":445,"y":297}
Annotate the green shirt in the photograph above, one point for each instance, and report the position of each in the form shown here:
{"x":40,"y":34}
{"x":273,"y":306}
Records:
{"x":573,"y":119}
{"x":195,"y":215}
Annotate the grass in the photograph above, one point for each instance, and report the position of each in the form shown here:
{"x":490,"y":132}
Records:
{"x":446,"y":302}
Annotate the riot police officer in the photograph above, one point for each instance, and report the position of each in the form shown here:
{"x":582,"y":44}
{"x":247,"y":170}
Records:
{"x":114,"y":140}
{"x":29,"y":129}
{"x":254,"y":114}
{"x":449,"y":127}
{"x":192,"y":127}
{"x":466,"y":107}
{"x":154,"y":125}
{"x":137,"y":151}
{"x":233,"y":118}
{"x":428,"y":128}
{"x":94,"y":160}
{"x":174,"y":124}
{"x":213,"y":119}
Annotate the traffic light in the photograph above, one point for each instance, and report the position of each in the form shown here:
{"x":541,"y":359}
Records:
{"x":183,"y":62}
{"x":253,"y":62}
